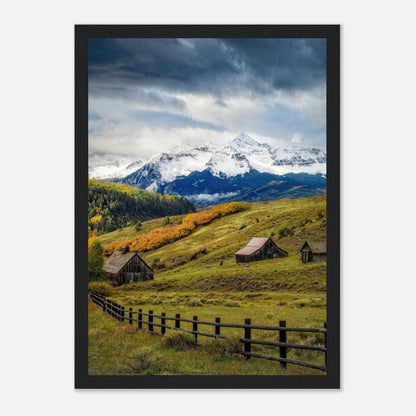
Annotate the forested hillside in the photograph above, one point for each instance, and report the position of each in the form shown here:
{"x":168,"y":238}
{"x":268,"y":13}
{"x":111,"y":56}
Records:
{"x":112,"y":206}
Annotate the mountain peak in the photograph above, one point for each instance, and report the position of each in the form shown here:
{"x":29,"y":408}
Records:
{"x":244,"y":139}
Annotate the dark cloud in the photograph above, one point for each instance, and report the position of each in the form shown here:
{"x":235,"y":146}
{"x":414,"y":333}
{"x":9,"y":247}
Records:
{"x":222,"y":67}
{"x":129,"y":92}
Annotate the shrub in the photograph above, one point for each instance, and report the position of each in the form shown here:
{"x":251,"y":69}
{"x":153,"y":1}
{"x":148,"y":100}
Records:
{"x":202,"y":250}
{"x":231,"y":304}
{"x":306,"y":355}
{"x":156,"y":264}
{"x":138,"y":225}
{"x":321,"y":213}
{"x":166,"y":221}
{"x":221,"y":348}
{"x":242,"y":226}
{"x":109,"y":249}
{"x":194,"y":302}
{"x":146,"y":362}
{"x":102,"y":288}
{"x":285,"y":231}
{"x":179,"y":341}
{"x":161,"y":236}
{"x":303,"y":222}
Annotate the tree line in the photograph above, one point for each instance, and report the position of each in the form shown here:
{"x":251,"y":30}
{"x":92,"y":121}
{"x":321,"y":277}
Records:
{"x":112,"y":206}
{"x":161,"y":236}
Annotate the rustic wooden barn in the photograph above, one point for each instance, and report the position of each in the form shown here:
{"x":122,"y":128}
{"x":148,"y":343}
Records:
{"x":259,"y":248}
{"x":313,"y":251}
{"x":126,"y":266}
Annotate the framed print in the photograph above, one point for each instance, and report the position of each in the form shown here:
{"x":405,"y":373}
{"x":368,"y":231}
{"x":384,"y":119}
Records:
{"x":207,"y":206}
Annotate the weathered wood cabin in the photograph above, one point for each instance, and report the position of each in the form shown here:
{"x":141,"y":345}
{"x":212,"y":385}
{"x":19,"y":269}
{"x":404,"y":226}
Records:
{"x":126,"y":266}
{"x":313,"y":251}
{"x":259,"y":248}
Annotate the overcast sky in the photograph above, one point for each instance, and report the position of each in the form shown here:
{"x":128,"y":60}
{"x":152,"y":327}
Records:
{"x":147,"y":95}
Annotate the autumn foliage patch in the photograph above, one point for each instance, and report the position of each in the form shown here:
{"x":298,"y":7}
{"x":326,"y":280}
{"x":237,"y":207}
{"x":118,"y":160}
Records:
{"x":165,"y":235}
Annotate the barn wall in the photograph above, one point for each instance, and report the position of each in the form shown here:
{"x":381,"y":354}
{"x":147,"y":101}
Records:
{"x":113,"y":279}
{"x":279,"y":253}
{"x":308,"y":253}
{"x":319,"y":257}
{"x":268,"y":251}
{"x":135,"y":271}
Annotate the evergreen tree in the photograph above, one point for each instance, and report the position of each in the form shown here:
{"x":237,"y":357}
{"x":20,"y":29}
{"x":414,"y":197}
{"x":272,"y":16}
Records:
{"x":118,"y":204}
{"x":96,"y":262}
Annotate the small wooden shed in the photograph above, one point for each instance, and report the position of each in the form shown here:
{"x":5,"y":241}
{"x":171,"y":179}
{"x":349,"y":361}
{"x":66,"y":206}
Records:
{"x":313,"y":251}
{"x":126,"y":266}
{"x":259,"y":248}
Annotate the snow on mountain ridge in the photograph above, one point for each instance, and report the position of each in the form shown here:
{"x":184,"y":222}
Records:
{"x":108,"y":166}
{"x":236,"y":157}
{"x":227,"y":164}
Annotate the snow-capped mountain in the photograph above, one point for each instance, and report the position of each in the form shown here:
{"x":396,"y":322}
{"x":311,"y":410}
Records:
{"x":227,"y":162}
{"x":241,"y":169}
{"x":108,"y":166}
{"x":237,"y":157}
{"x":279,"y":161}
{"x":166,"y":167}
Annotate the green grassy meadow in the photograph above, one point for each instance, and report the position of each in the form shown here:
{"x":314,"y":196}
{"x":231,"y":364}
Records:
{"x":198,"y":276}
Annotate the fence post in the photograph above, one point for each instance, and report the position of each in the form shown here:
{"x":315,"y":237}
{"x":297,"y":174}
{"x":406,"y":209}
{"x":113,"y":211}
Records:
{"x":110,"y":309}
{"x":104,"y":305}
{"x":131,"y":316}
{"x":217,"y":327}
{"x":282,"y":338}
{"x":122,"y":313}
{"x":325,"y":343}
{"x":195,"y":328}
{"x":139,"y":318}
{"x":247,"y":335}
{"x":177,"y":321}
{"x":150,"y":321}
{"x":163,"y":323}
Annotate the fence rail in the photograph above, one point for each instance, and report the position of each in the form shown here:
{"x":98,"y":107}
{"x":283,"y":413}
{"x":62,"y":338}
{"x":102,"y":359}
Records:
{"x":119,"y":312}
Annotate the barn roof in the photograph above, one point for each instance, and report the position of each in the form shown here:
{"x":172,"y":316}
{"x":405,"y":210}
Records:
{"x":318,"y":247}
{"x":256,"y":243}
{"x":117,"y":261}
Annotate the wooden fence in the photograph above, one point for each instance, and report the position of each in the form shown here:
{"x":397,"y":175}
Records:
{"x":120,"y":313}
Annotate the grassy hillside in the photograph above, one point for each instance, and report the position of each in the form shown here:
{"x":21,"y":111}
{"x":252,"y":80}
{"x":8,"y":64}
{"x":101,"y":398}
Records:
{"x":168,"y":233}
{"x":205,"y":260}
{"x":139,"y":353}
{"x":198,"y":275}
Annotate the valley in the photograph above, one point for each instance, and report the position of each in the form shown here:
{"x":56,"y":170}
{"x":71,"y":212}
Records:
{"x":198,"y":275}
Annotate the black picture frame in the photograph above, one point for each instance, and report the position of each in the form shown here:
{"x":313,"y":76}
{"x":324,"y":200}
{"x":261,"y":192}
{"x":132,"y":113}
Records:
{"x":332,"y":33}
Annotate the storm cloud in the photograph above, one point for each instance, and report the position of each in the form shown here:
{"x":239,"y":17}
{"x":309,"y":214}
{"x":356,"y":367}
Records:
{"x":274,"y":89}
